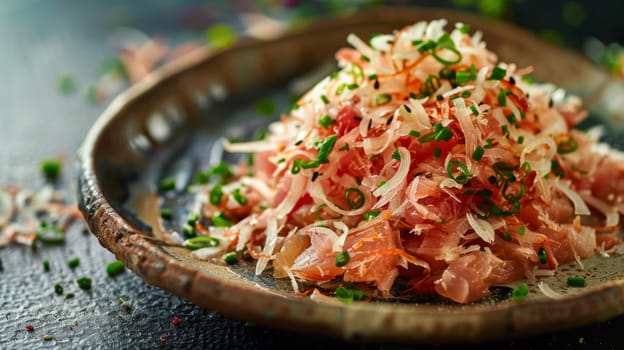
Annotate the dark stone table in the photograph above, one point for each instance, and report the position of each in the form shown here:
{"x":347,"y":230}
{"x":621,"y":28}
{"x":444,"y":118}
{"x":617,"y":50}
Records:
{"x":39,"y":42}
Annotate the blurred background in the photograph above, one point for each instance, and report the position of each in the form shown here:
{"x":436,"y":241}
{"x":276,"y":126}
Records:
{"x":63,"y":61}
{"x":77,"y":47}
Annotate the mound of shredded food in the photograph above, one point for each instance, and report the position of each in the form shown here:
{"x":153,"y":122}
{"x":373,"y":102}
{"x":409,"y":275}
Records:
{"x":423,"y":159}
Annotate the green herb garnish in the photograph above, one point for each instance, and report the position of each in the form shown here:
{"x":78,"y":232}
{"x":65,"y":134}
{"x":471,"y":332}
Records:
{"x":84,"y":283}
{"x":201,"y":242}
{"x":58,"y":289}
{"x":51,"y":168}
{"x":73,"y":263}
{"x":520,"y":293}
{"x":576,"y":282}
{"x":115,"y":268}
{"x":230,"y":258}
{"x":342,"y":259}
{"x":348,"y":295}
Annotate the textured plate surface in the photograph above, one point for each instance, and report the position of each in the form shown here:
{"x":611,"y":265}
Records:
{"x":168,"y":125}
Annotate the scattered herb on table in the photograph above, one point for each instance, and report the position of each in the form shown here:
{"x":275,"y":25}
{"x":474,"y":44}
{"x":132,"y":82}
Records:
{"x":58,"y":289}
{"x":66,"y":84}
{"x":84,"y":283}
{"x":115,"y":268}
{"x":46,"y":265}
{"x":73,"y":263}
{"x":51,"y":168}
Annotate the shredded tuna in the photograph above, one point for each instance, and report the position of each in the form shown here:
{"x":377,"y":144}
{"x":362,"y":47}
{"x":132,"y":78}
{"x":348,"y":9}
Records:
{"x":424,"y":158}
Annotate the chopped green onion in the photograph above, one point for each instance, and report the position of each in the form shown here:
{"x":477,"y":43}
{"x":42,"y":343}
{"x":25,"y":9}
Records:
{"x":220,"y":36}
{"x":465,"y":94}
{"x":342,"y":259}
{"x":334,"y":74}
{"x":166,"y":214}
{"x":344,"y":147}
{"x":464,"y":76}
{"x":73,"y":263}
{"x":365,"y":58}
{"x":325,"y":147}
{"x":58,"y":289}
{"x":520,"y":139}
{"x":352,"y":86}
{"x":505,"y":130}
{"x":84,"y":283}
{"x":223,"y":169}
{"x":168,"y":184}
{"x":1,"y":265}
{"x":504,"y":171}
{"x":382,"y":99}
{"x":371,"y":214}
{"x":502,"y":98}
{"x":464,"y":28}
{"x":464,"y":175}
{"x":50,"y":234}
{"x":340,"y":88}
{"x":556,"y":169}
{"x":220,"y":220}
{"x":414,"y":133}
{"x":488,"y":143}
{"x":446,"y":43}
{"x":324,"y":99}
{"x":396,"y":155}
{"x":520,"y":293}
{"x":542,"y":255}
{"x":437,"y":152}
{"x":51,"y":168}
{"x":447,"y":73}
{"x":358,"y":201}
{"x":498,"y":73}
{"x":511,"y":197}
{"x":348,"y":295}
{"x":576,"y":282}
{"x":66,"y":84}
{"x":425,"y":46}
{"x":440,"y":133}
{"x":189,"y":230}
{"x":230,"y":258}
{"x":507,"y":236}
{"x":201,"y":177}
{"x":115,"y":268}
{"x":239,"y":197}
{"x":478,"y":153}
{"x":216,"y":193}
{"x":357,"y":180}
{"x":568,"y":145}
{"x":192,"y":219}
{"x":326,"y":121}
{"x":46,"y":265}
{"x":69,"y":295}
{"x":201,"y":242}
{"x":373,"y":77}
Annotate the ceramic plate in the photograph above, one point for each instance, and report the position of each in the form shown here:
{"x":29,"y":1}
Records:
{"x":169,"y":124}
